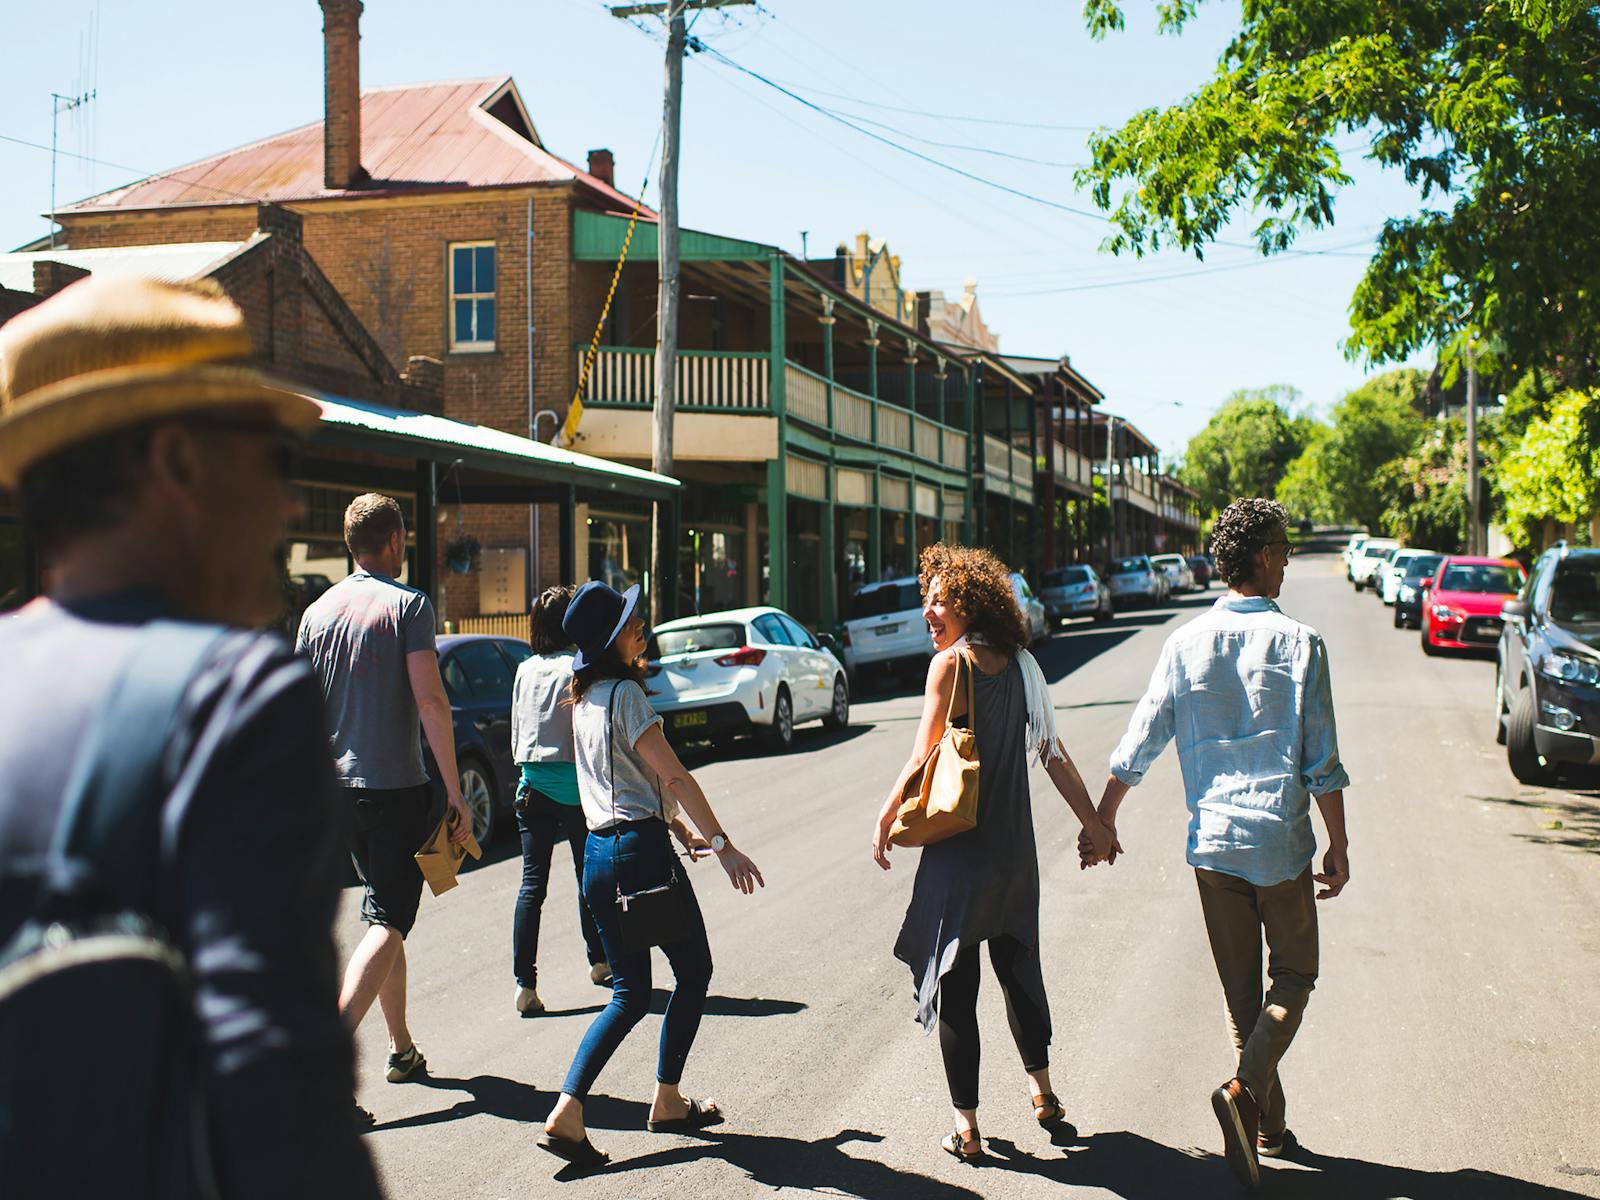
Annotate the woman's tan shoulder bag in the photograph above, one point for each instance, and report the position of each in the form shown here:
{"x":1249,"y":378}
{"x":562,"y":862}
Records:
{"x":940,"y":799}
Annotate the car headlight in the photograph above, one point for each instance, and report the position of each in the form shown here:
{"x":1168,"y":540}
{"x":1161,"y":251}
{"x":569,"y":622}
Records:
{"x":1407,"y":592}
{"x":1570,"y":668}
{"x":1443,"y":612}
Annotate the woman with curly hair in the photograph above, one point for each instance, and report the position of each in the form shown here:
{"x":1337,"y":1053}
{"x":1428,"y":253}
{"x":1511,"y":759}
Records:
{"x":983,"y":885}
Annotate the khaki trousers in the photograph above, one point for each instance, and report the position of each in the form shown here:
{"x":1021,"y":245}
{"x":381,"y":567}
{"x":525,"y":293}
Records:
{"x":1237,"y":914}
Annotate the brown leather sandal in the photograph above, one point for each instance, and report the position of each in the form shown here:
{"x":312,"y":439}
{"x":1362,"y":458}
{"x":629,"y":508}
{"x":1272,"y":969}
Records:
{"x":968,"y":1147}
{"x":1047,"y":1109}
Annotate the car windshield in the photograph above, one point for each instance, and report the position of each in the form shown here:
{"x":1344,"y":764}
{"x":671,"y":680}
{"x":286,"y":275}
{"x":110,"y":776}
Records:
{"x":1423,"y":566}
{"x":1495,"y":578}
{"x":1381,"y":553}
{"x":1575,"y":597}
{"x":672,"y":642}
{"x":1128,"y":566}
{"x":1168,"y":560}
{"x":881,"y":601}
{"x":1066,"y":576}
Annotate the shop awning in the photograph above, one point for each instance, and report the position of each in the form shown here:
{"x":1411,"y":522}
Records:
{"x":486,"y":456}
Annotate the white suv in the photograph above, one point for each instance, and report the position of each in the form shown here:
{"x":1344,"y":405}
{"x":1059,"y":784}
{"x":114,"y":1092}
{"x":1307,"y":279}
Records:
{"x":1372,"y":554}
{"x":885,"y":628}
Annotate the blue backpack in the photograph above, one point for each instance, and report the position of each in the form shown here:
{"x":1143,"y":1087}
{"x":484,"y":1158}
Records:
{"x":101,"y":1089}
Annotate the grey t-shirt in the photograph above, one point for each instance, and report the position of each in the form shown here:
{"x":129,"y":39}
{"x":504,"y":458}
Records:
{"x":617,"y":771}
{"x":357,"y":635}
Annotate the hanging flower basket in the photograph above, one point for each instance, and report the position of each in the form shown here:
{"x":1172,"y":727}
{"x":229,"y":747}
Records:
{"x":461,"y":554}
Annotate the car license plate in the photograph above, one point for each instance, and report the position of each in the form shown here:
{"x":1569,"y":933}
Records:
{"x":1488,"y":631}
{"x":883,"y":629}
{"x":689,"y":720}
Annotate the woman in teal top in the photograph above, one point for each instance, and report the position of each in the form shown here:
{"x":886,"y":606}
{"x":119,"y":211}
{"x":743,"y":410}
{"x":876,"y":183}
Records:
{"x":547,"y":796}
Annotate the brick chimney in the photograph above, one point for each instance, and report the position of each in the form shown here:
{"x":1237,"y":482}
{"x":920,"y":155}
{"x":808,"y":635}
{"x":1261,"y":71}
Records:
{"x":600,"y":166}
{"x":341,"y":71}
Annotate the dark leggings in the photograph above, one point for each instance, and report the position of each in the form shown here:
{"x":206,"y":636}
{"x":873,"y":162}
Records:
{"x":958,"y":1018}
{"x":543,"y":822}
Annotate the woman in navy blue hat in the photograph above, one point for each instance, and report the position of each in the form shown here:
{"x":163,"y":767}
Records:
{"x":632,"y":789}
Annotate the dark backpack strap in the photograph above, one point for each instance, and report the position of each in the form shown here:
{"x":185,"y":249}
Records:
{"x":108,"y":840}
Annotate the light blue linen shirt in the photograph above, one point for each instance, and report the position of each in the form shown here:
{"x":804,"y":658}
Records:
{"x":1244,"y":690}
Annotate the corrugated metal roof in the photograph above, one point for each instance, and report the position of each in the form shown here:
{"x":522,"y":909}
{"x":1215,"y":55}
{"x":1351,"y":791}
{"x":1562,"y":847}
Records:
{"x":421,"y":137}
{"x":174,"y":261}
{"x":490,"y":447}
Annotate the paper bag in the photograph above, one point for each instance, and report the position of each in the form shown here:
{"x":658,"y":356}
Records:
{"x":440,"y":858}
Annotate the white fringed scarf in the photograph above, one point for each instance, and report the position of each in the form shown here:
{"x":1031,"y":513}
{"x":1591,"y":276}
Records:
{"x":1043,"y":741}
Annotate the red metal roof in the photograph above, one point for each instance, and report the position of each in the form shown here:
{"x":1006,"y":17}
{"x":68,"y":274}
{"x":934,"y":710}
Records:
{"x":419,"y":137}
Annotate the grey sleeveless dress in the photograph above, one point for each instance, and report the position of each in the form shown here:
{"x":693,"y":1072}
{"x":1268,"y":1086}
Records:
{"x":981,"y":884}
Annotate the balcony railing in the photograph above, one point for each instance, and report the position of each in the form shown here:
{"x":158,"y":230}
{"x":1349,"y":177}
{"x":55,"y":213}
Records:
{"x":721,"y":381}
{"x":1072,"y":466}
{"x":1008,"y":470}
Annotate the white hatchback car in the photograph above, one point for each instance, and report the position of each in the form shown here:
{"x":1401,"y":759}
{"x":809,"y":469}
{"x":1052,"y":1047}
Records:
{"x":1386,"y":581}
{"x":1180,"y":575}
{"x":885,"y":628}
{"x":1365,"y":562}
{"x":748,"y":670}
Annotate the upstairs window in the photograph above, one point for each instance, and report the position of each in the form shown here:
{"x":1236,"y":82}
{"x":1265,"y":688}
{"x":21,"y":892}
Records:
{"x":472,"y":268}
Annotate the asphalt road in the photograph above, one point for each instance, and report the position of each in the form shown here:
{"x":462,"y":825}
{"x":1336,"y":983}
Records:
{"x":1451,"y":1049}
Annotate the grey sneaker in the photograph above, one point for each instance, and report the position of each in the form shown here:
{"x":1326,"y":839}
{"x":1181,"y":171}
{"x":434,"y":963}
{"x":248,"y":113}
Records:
{"x":406,"y":1066}
{"x":527,"y":1002}
{"x":1282,"y":1145}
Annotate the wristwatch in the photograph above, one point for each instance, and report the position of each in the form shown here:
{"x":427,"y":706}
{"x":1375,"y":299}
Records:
{"x":718,"y":843}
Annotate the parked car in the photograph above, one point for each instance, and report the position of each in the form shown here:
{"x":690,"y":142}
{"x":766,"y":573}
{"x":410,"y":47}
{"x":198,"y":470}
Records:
{"x":1357,"y":540}
{"x":1033,"y":615}
{"x":1180,"y":578}
{"x":748,"y":670}
{"x":1365,"y":562}
{"x":1136,"y":579}
{"x":1461,"y":607}
{"x":478,"y":671}
{"x":1076,"y":591}
{"x":885,"y":629}
{"x":1204,"y":570}
{"x":1386,"y":581}
{"x":1547,"y":669}
{"x":1408,"y":595}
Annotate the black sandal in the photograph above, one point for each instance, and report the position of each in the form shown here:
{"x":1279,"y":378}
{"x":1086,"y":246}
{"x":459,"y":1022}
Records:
{"x":968,"y":1147}
{"x":579,"y":1154}
{"x":1047,"y":1109}
{"x":701,"y":1115}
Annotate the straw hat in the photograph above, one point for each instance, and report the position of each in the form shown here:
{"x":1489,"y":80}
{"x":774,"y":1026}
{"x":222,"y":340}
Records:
{"x":103,"y":354}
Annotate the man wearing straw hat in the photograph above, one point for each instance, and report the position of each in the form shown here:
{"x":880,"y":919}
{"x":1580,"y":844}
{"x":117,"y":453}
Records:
{"x":151,"y":467}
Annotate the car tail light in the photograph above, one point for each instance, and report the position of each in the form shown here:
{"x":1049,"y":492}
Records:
{"x":844,"y":639}
{"x":746,"y":656}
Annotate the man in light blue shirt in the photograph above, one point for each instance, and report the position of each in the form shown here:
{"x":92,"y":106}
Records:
{"x":1245,"y":693}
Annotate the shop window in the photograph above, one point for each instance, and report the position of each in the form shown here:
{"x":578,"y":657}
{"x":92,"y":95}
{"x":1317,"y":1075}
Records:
{"x":619,"y":549}
{"x":472,"y":280}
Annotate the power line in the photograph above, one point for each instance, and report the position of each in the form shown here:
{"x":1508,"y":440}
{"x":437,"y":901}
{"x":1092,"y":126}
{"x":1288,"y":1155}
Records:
{"x":145,"y":176}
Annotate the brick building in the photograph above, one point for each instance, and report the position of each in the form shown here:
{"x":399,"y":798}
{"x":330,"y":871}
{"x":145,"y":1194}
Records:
{"x":445,"y":224}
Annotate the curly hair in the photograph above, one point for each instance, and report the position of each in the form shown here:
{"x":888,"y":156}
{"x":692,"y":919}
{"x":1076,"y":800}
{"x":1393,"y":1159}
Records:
{"x":1244,"y":528}
{"x":978,"y":586}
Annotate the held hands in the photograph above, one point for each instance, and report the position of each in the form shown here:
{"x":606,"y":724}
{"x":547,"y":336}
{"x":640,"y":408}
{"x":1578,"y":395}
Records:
{"x":1335,"y":872}
{"x":1097,"y":843}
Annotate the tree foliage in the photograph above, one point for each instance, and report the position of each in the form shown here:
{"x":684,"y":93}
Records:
{"x":1553,"y":471}
{"x":1425,"y":492}
{"x":1490,"y":109}
{"x":1245,"y":447}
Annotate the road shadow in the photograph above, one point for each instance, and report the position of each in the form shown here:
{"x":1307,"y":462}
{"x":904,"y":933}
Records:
{"x":1061,"y":656}
{"x":782,"y":1163}
{"x":806,"y":737}
{"x":716,"y":1006}
{"x":512,"y":1100}
{"x":1572,"y":820}
{"x":1133,"y":1167}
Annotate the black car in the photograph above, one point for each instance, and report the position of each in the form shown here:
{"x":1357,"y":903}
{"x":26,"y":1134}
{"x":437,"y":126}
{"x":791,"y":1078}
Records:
{"x":1408,"y":599}
{"x":478,"y":671}
{"x":1547,"y":677}
{"x":1204,"y":569}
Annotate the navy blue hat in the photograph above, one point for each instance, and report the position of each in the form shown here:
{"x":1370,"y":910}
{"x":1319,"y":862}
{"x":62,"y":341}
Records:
{"x":595,"y":616}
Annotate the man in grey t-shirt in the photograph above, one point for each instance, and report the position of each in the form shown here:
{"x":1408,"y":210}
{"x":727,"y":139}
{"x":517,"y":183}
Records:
{"x":370,"y":639}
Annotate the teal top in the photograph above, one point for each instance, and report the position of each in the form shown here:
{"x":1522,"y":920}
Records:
{"x":558,"y":780}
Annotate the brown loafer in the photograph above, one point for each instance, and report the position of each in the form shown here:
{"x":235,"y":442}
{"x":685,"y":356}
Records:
{"x":1240,"y":1120}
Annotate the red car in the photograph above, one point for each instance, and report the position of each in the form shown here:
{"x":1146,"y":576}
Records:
{"x":1461,"y":603}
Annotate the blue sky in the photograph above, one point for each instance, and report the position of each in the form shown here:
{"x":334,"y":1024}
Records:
{"x":183,"y":79}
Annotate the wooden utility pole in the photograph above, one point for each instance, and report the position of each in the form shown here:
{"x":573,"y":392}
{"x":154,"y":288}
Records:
{"x":663,"y":534}
{"x":1474,"y":524}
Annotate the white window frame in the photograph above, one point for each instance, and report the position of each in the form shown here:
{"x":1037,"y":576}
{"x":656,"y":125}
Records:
{"x":460,"y":347}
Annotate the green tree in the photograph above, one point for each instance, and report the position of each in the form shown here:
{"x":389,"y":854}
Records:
{"x":1371,"y":427}
{"x":1304,"y":488}
{"x":1553,"y":471}
{"x":1245,"y":447}
{"x":1491,"y":109}
{"x":1425,"y":492}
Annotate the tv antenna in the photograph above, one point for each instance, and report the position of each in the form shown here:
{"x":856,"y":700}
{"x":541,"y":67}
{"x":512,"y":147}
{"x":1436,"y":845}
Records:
{"x":88,"y":64}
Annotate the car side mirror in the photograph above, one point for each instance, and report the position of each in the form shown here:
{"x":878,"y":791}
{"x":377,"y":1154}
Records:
{"x":1515,"y":609}
{"x":829,"y":643}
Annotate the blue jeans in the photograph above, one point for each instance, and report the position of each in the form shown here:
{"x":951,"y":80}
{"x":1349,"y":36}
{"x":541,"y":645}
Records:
{"x":640,"y":855}
{"x":542,"y":822}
